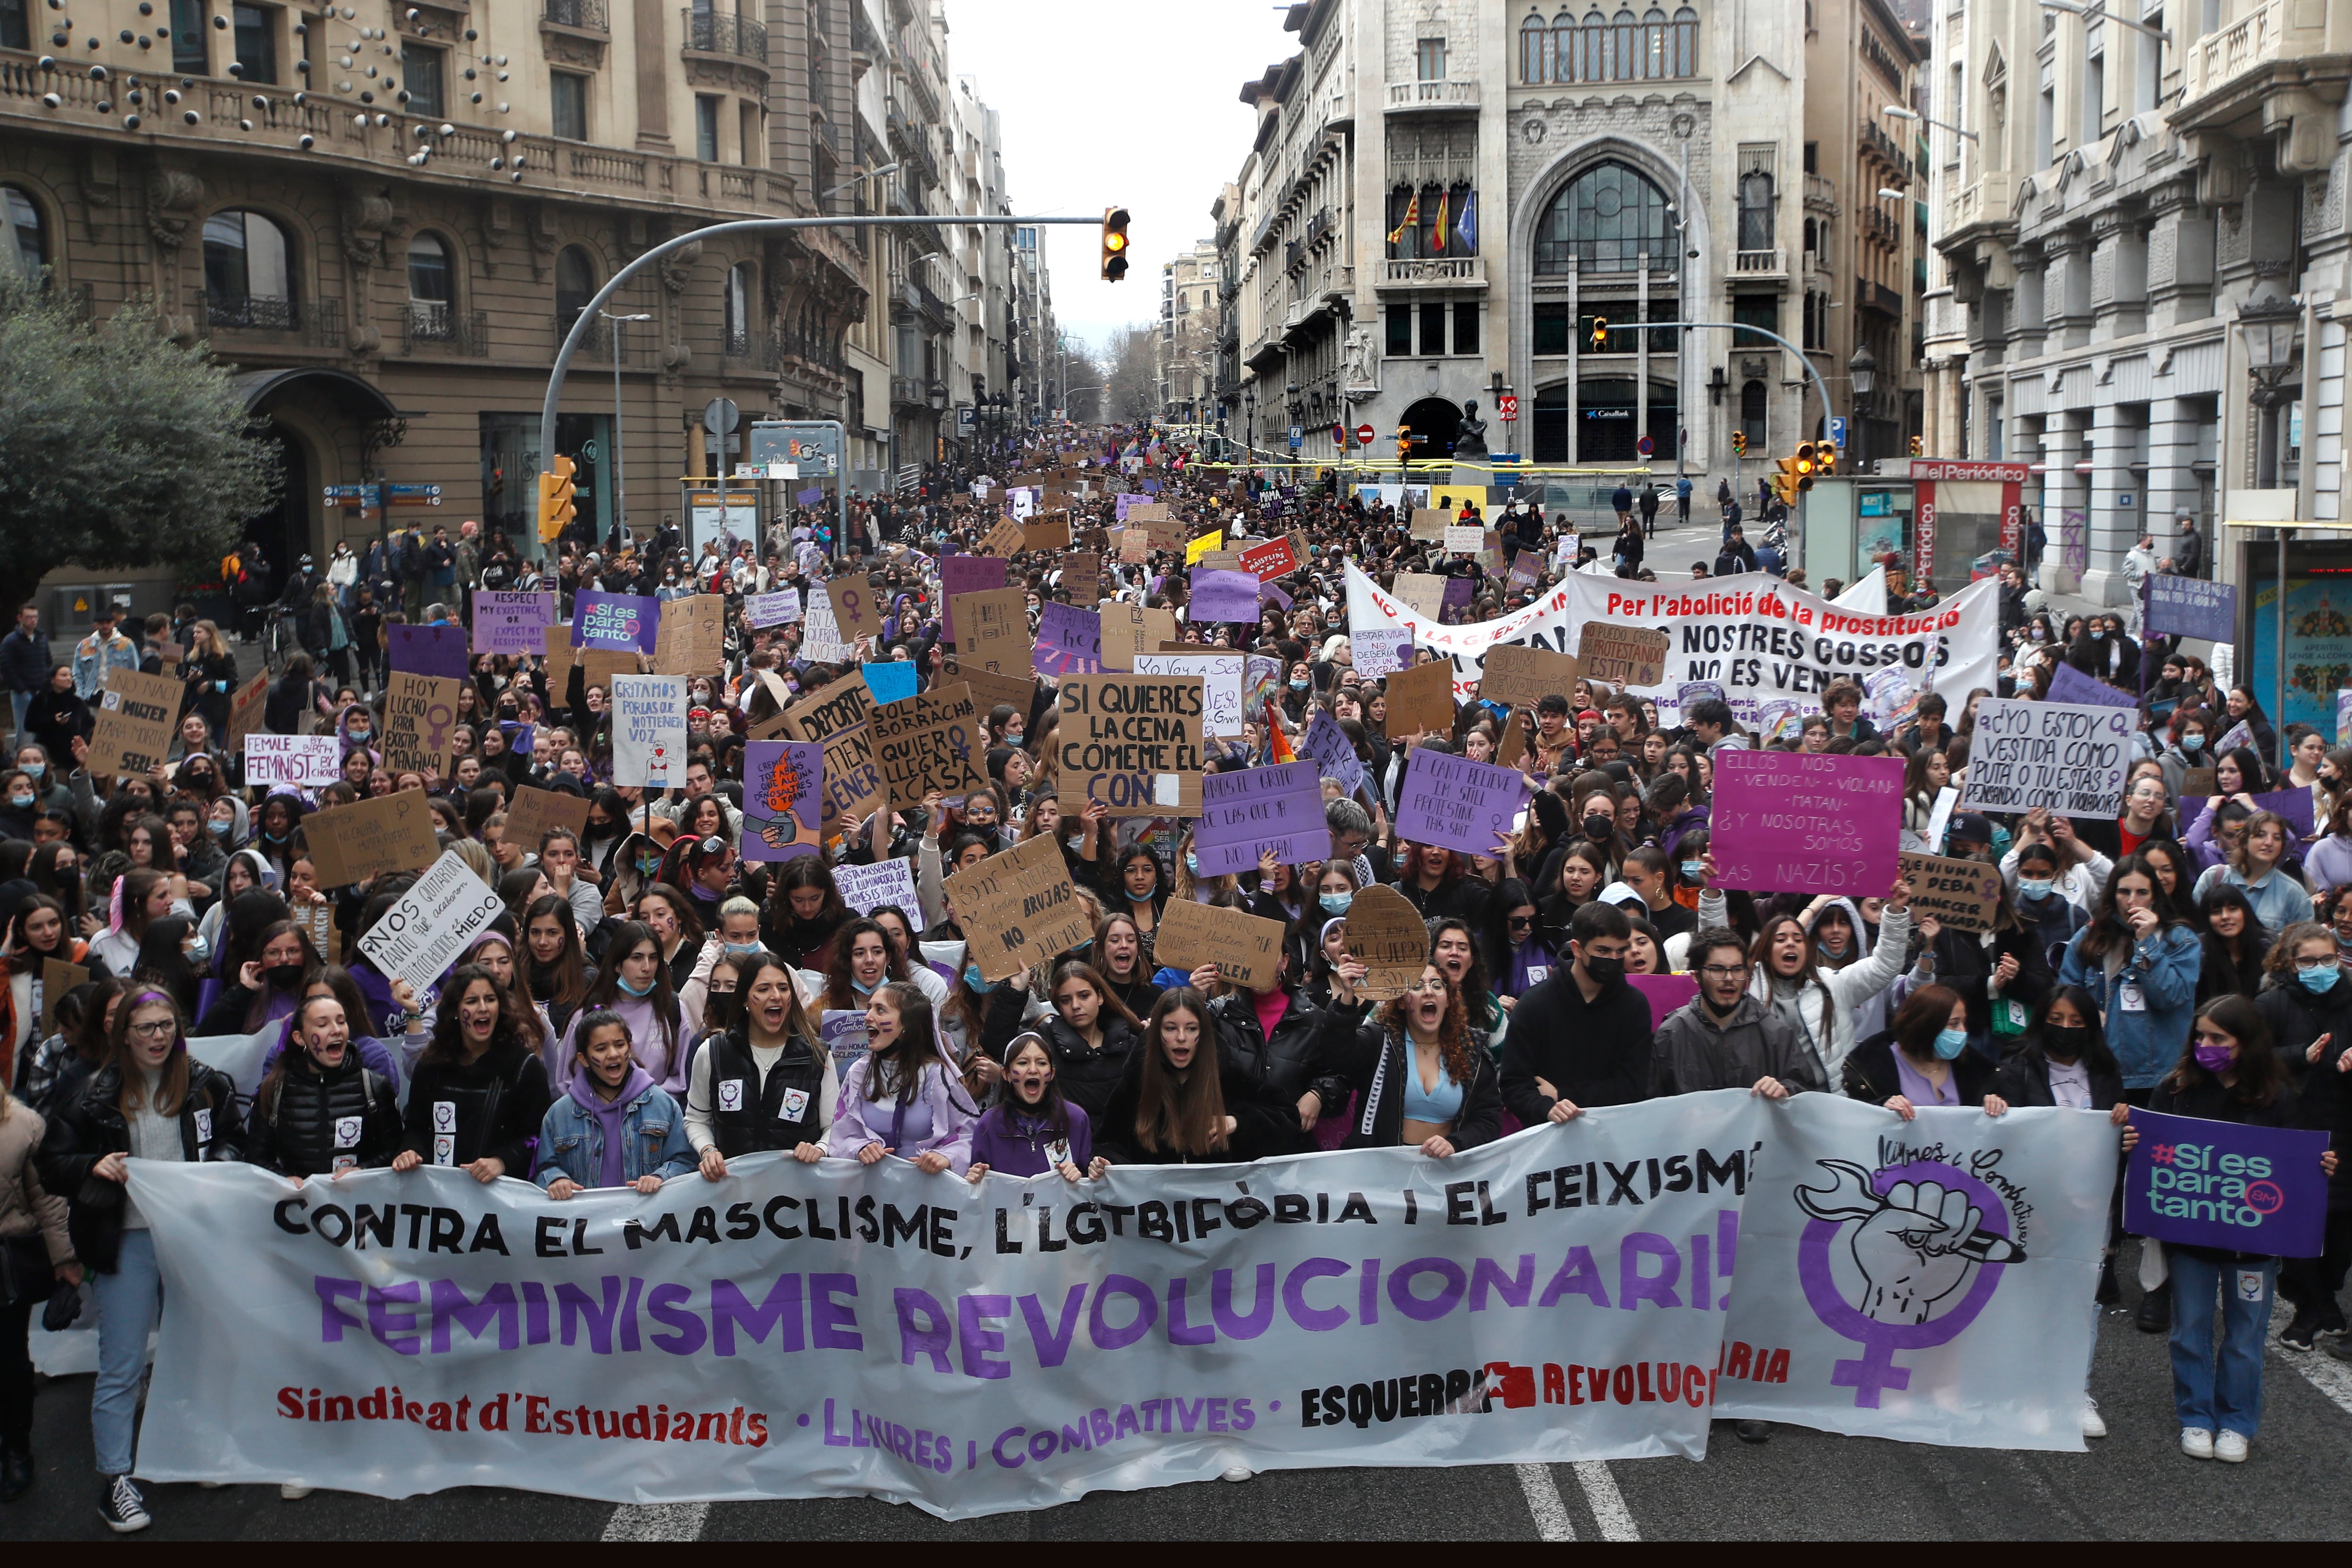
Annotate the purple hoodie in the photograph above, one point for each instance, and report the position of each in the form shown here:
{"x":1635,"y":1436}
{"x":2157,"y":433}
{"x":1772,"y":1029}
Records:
{"x":611,"y":1114}
{"x":1009,"y":1139}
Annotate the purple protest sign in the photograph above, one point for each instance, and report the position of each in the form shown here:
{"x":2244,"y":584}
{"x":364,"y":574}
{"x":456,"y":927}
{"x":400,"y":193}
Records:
{"x":1125,"y":499}
{"x":1334,"y":755}
{"x":1069,"y":641}
{"x":965,"y":575}
{"x":1224,"y":596}
{"x":1457,"y":595}
{"x":2191,"y":607}
{"x":2255,"y":1190}
{"x":2068,"y":684}
{"x":1663,"y":993}
{"x":782,"y":781}
{"x":431,"y":650}
{"x":1243,"y":814}
{"x":1151,"y":486}
{"x":1457,"y":803}
{"x":1268,"y":591}
{"x":1785,"y":821}
{"x":512,"y":622}
{"x":808,"y":497}
{"x":624,"y":623}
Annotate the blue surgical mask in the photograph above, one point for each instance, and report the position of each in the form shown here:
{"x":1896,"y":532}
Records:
{"x":2192,"y":741}
{"x":37,"y":770}
{"x":1693,"y":870}
{"x":1951,"y":1043}
{"x":1336,"y":903}
{"x":971,"y":978}
{"x":2033,"y":887}
{"x":197,"y":950}
{"x":220,"y":829}
{"x":861,"y":987}
{"x":1191,"y":862}
{"x":1298,"y":683}
{"x":741,"y":948}
{"x":2318,"y":980}
{"x":645,"y":990}
{"x":21,"y":802}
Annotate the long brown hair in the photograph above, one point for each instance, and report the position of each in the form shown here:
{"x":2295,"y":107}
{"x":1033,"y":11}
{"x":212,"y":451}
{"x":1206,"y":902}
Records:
{"x":1453,"y":1030}
{"x":1142,"y":971}
{"x":840,"y":990}
{"x":570,"y":972}
{"x":265,"y":1099}
{"x":917,"y":1048}
{"x":606,"y":991}
{"x":448,"y":1043}
{"x":1188,"y":1109}
{"x":171,"y":1093}
{"x":1085,"y":974}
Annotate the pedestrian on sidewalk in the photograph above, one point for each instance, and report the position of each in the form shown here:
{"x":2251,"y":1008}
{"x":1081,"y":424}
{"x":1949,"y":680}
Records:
{"x":25,"y":663}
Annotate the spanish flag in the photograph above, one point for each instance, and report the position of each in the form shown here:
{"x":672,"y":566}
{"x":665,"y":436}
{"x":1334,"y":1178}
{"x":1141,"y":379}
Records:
{"x":1437,"y":240}
{"x":1411,"y":217}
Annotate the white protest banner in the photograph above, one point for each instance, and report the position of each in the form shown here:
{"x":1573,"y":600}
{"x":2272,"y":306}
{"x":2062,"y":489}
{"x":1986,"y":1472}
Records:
{"x":303,"y":761}
{"x":422,"y":934}
{"x":2071,"y":758}
{"x":867,"y":887}
{"x":649,"y":729}
{"x":1756,"y":636}
{"x":1221,"y":684}
{"x":771,"y":609}
{"x":1552,"y":1297}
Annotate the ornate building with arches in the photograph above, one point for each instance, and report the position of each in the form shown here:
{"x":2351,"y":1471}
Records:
{"x":1445,"y":197}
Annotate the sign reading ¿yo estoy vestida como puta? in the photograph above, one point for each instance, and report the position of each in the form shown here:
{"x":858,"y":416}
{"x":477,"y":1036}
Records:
{"x":2068,"y":758}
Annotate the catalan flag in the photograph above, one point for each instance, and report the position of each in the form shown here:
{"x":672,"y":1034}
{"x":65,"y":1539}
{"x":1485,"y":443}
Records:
{"x":1437,"y":239}
{"x":1412,"y":218}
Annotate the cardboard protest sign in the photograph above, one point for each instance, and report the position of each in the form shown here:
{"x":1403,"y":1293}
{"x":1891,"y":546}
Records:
{"x":317,"y":922}
{"x":1245,"y":949}
{"x":857,"y":610}
{"x":994,"y":625}
{"x":134,"y":716}
{"x":961,"y":575}
{"x":1622,"y":655}
{"x":1220,"y":690}
{"x":1018,"y":908}
{"x":1520,"y":677}
{"x":1004,"y":540}
{"x":58,"y":977}
{"x":1243,"y":814}
{"x":692,"y":636}
{"x":783,"y":811}
{"x":419,"y":713}
{"x":1272,"y":558}
{"x":1165,"y":532}
{"x":1455,"y":802}
{"x":306,"y":762}
{"x":779,"y":608}
{"x":1136,"y":740}
{"x":2200,"y":781}
{"x":1134,"y":546}
{"x":1131,"y":630}
{"x":1082,"y":578}
{"x":246,"y":709}
{"x":991,"y":691}
{"x":1790,"y":821}
{"x":1421,"y":592}
{"x":512,"y":623}
{"x":845,"y":704}
{"x":869,"y":887}
{"x":616,"y":622}
{"x":1465,"y":539}
{"x":530,"y":812}
{"x":375,"y":837}
{"x":597,"y":665}
{"x":648,"y":715}
{"x":427,"y":650}
{"x":1046,"y":530}
{"x":1430,"y":522}
{"x":1222,"y":596}
{"x":1069,"y":641}
{"x":1422,"y":700}
{"x":2071,"y":758}
{"x":1964,"y":895}
{"x":1380,"y":651}
{"x":934,"y":741}
{"x":422,"y":934}
{"x":820,"y":635}
{"x":1334,"y":755}
{"x":1388,"y":936}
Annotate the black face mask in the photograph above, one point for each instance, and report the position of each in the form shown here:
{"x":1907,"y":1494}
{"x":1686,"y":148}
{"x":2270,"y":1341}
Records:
{"x":1604,"y":971}
{"x":283,"y":976}
{"x":1599,"y":827}
{"x":2068,"y":1042}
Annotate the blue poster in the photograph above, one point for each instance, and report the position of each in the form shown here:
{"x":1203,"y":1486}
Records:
{"x":2318,"y":648}
{"x":890,"y":681}
{"x":2218,"y":1184}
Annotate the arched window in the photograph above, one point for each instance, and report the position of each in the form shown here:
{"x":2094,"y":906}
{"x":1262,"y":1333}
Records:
{"x":1535,"y":50}
{"x":1605,"y":220}
{"x":575,"y":285}
{"x":1562,"y":60}
{"x":740,"y":285}
{"x":1751,"y":416}
{"x":29,"y":251}
{"x":1653,"y":43}
{"x":1592,"y":48}
{"x":1756,"y":210}
{"x":432,"y":289}
{"x":1682,"y":50}
{"x":248,"y":273}
{"x":1624,"y":60}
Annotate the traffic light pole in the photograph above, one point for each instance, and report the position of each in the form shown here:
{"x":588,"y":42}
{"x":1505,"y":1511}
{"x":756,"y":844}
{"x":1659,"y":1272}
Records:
{"x":583,"y":323}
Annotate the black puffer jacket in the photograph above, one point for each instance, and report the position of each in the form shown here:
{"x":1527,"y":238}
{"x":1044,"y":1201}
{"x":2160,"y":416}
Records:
{"x":497,"y":1104}
{"x":313,"y":1117}
{"x":1286,"y":1065}
{"x":1088,"y":1077}
{"x":1871,"y":1078}
{"x":90,"y":1126}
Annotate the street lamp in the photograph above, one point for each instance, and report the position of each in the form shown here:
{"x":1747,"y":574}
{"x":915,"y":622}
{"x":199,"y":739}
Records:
{"x":2099,"y":13}
{"x":1863,"y":368}
{"x":620,"y":487}
{"x":2269,"y":328}
{"x":1895,"y":112}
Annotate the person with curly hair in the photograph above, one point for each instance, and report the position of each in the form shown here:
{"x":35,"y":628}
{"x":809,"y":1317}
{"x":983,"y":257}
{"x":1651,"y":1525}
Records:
{"x":1420,"y":1078}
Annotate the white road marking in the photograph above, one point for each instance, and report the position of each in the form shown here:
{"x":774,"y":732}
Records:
{"x":1609,"y":1509}
{"x":1552,"y":1522}
{"x":656,"y":1521}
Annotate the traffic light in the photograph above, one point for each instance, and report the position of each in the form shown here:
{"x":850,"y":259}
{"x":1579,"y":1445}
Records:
{"x":1825,"y":460}
{"x":1808,"y":463}
{"x":1915,"y":445}
{"x":1114,"y":244}
{"x":1599,"y":332}
{"x":1784,"y":480}
{"x":1740,"y":443}
{"x":555,"y":496}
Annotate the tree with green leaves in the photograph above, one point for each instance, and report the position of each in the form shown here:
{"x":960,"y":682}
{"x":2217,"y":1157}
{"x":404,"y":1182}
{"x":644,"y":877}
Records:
{"x":119,"y":448}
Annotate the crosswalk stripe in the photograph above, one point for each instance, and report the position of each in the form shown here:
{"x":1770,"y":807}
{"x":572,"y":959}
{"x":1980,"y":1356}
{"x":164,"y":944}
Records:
{"x":1552,"y":1522}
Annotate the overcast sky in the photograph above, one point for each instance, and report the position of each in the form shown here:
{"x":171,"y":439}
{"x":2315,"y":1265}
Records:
{"x":1105,"y":103}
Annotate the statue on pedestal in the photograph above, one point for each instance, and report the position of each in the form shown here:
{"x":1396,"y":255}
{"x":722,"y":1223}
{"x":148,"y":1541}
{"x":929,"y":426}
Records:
{"x":1470,"y":440}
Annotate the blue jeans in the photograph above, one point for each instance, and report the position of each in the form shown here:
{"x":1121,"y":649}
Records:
{"x":128,"y":1301}
{"x":2228,"y":1398}
{"x":20,"y":702}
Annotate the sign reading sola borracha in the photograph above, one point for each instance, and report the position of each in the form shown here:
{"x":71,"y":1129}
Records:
{"x":1595,"y":1291}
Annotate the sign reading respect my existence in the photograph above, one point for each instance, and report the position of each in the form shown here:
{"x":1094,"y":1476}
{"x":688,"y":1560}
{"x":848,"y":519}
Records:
{"x":1786,"y":821}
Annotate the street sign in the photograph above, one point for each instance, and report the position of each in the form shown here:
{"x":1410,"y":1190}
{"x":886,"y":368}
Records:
{"x":1364,"y":434}
{"x":720,"y":415}
{"x":1507,"y":408}
{"x":1837,"y":431}
{"x":1646,"y":445}
{"x":414,"y":495}
{"x":1340,"y":435}
{"x":1298,"y":437}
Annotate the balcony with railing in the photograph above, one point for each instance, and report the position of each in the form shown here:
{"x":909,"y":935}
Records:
{"x":1821,"y":195}
{"x":716,"y":33}
{"x":585,"y":15}
{"x":252,"y":314}
{"x":1406,"y":97}
{"x":444,"y":331}
{"x":1878,"y":297}
{"x":863,"y":40}
{"x":907,"y":391}
{"x":1986,"y":199}
{"x":918,"y":65}
{"x":1758,"y":264}
{"x":1433,"y":272}
{"x":1876,"y":143}
{"x":2214,"y":60}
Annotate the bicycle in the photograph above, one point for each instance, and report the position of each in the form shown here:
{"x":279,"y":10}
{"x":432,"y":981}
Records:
{"x":279,"y":641}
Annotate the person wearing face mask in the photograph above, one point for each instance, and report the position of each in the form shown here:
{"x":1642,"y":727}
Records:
{"x":22,"y":805}
{"x":635,"y":983}
{"x":734,"y":934}
{"x":2193,"y":730}
{"x":1583,"y":1037}
{"x":264,"y":988}
{"x":2043,"y":898}
{"x":2307,"y":1008}
{"x":1922,"y":1058}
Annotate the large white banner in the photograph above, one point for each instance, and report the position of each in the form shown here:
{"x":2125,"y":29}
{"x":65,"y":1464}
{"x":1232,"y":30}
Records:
{"x":1771,"y":647}
{"x":1596,"y":1290}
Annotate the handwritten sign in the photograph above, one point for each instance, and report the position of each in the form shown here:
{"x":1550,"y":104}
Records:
{"x":2068,"y":684}
{"x":931,"y":741}
{"x":1421,"y":699}
{"x":1430,"y":523}
{"x":377,"y":837}
{"x":783,"y":811}
{"x":306,"y":762}
{"x":2069,"y":758}
{"x":995,"y":623}
{"x":991,"y":690}
{"x":2191,"y":607}
{"x":419,"y":713}
{"x":1334,"y":755}
{"x":649,"y":730}
{"x":1018,"y":908}
{"x":961,"y":575}
{"x":1129,"y":630}
{"x":1465,"y":539}
{"x":1136,"y":740}
{"x":1069,"y":641}
{"x":892,"y":680}
{"x":1388,"y":936}
{"x":1221,"y":685}
{"x":422,"y":934}
{"x":1622,"y":655}
{"x":511,"y":623}
{"x":134,"y":723}
{"x":1381,"y":650}
{"x":1244,"y":949}
{"x":692,"y":637}
{"x":1082,"y":577}
{"x":1046,"y":530}
{"x":1455,"y":802}
{"x":1787,"y":821}
{"x":886,"y":883}
{"x":58,"y":977}
{"x":1423,"y":593}
{"x":1965,"y":895}
{"x":856,"y":612}
{"x":246,"y":711}
{"x":531,"y":813}
{"x":1520,"y":677}
{"x":1244,"y":814}
{"x":1224,"y":596}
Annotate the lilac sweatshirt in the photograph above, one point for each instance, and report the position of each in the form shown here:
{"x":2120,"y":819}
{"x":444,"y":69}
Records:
{"x":611,"y":1171}
{"x":858,"y":1121}
{"x":646,"y":1043}
{"x":1011,"y":1140}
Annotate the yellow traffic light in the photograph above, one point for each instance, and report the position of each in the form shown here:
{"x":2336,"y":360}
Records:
{"x":1114,"y":244}
{"x":1599,"y":332}
{"x":1805,"y":465}
{"x":1825,"y":460}
{"x":1785,"y":482}
{"x":555,"y":498}
{"x":1405,"y":444}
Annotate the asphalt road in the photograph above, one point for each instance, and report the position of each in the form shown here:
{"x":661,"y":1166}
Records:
{"x":1801,"y":1486}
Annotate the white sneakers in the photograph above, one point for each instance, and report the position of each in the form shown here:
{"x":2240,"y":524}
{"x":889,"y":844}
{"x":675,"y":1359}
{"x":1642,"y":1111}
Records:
{"x":2093,"y":1424}
{"x":2229,"y":1448}
{"x":293,"y":1492}
{"x":2198,"y":1443}
{"x":1238,"y":1472}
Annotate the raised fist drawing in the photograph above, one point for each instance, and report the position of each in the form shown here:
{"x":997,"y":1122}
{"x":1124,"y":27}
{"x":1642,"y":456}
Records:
{"x":1915,"y":1246}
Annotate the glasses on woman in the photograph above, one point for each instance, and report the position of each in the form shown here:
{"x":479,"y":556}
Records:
{"x":159,"y":1029}
{"x":1521,"y":922}
{"x":1426,"y":988}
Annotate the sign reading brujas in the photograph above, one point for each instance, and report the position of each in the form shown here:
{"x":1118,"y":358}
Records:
{"x":1757,"y":635}
{"x":619,"y":622}
{"x":1600,"y":1289}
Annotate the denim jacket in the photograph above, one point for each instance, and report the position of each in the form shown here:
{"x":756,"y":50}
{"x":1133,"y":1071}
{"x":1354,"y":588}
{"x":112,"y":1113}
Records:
{"x":572,"y":1141}
{"x":93,"y":659}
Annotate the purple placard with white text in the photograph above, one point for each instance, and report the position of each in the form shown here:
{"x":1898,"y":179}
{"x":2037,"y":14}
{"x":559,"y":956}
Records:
{"x":1125,"y":499}
{"x":1458,"y":803}
{"x":512,"y":623}
{"x":430,"y":650}
{"x":1334,"y":755}
{"x":1069,"y":641}
{"x":1243,"y":814}
{"x":623,"y":623}
{"x":2255,"y":1190}
{"x":1789,"y":822}
{"x":1224,"y":596}
{"x":2068,"y":684}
